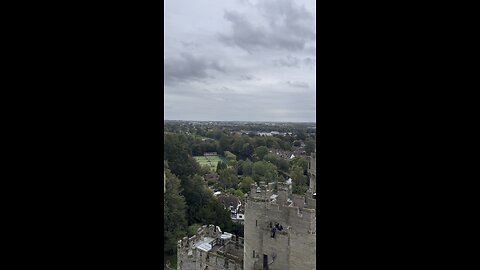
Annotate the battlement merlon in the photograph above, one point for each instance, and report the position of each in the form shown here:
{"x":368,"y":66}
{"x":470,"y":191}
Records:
{"x":302,"y":219}
{"x":261,"y":192}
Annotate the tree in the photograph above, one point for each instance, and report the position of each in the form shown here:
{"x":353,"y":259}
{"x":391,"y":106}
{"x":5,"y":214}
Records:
{"x":180,"y":161}
{"x":247,"y":167}
{"x":175,"y":223}
{"x":221,"y":166}
{"x":205,"y":169}
{"x":240,"y":167}
{"x":238,"y":193}
{"x":217,"y":134}
{"x":298,"y":176}
{"x":231,"y":158}
{"x":192,"y":229}
{"x":283,"y":164}
{"x":196,"y":196}
{"x":309,"y":146}
{"x":260,"y":141}
{"x":245,"y":184}
{"x":215,"y":213}
{"x":237,"y":144}
{"x":272,"y":158}
{"x":299,"y":180}
{"x":273,"y":142}
{"x":261,"y":151}
{"x":247,"y":150}
{"x":224,"y":143}
{"x":301,"y":135}
{"x":300,"y":162}
{"x":264,"y":171}
{"x":228,"y":178}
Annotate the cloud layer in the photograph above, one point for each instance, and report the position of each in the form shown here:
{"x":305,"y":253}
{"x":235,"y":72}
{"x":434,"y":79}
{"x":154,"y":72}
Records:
{"x":240,"y":60}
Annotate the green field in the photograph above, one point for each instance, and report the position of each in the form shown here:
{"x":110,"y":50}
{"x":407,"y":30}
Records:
{"x":210,"y":160}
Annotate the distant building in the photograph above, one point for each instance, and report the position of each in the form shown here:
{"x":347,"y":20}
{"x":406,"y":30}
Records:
{"x":267,"y":134}
{"x":239,"y":218}
{"x":210,"y":154}
{"x":231,"y":203}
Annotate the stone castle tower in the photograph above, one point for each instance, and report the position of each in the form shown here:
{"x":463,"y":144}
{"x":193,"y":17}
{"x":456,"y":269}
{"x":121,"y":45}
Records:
{"x":293,"y":247}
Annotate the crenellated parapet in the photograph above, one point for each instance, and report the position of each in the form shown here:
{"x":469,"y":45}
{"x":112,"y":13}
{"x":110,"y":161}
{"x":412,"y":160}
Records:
{"x":211,"y":231}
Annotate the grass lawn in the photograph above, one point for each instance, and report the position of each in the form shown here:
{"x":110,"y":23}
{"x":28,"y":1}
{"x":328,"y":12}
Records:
{"x":210,"y":160}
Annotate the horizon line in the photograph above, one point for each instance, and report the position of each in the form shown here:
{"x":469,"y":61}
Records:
{"x":240,"y":121}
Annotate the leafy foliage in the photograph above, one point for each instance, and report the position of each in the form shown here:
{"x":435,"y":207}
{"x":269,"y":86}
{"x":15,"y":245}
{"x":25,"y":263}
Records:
{"x":228,"y":178}
{"x":246,"y":184}
{"x":261,"y":151}
{"x":179,"y":158}
{"x":175,"y":222}
{"x":247,"y":167}
{"x":309,"y":146}
{"x":299,"y":180}
{"x":264,"y":171}
{"x":221,"y":166}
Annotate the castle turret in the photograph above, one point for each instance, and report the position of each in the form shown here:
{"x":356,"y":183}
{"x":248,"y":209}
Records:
{"x":279,"y":230}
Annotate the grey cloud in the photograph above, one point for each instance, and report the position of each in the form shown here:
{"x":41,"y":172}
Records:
{"x":289,"y":27}
{"x":310,"y":61}
{"x":298,"y":84}
{"x":296,"y":20}
{"x":225,"y":89}
{"x":248,"y":77}
{"x":188,"y":67}
{"x":190,"y":44}
{"x":311,"y":50}
{"x":187,"y":91}
{"x":212,"y":81}
{"x":289,"y":61}
{"x":244,"y":34}
{"x":244,"y":2}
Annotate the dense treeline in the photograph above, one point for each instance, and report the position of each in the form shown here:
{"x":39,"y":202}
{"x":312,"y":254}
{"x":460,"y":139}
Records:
{"x":174,"y":126}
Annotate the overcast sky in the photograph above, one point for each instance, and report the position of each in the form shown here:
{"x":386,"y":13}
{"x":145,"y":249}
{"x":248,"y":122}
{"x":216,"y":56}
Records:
{"x":240,"y":60}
